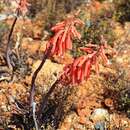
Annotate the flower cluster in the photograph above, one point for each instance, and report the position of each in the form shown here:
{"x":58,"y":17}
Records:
{"x":22,"y":6}
{"x":81,"y":67}
{"x":64,"y":32}
{"x":19,"y":5}
{"x":61,"y":41}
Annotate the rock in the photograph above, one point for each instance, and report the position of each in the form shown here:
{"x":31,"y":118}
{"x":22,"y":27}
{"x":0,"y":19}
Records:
{"x":3,"y":17}
{"x":100,"y":118}
{"x":100,"y":126}
{"x":100,"y":114}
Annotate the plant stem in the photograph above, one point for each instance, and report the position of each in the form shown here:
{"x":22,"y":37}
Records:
{"x":34,"y":115}
{"x":9,"y":43}
{"x":32,"y":90}
{"x":45,"y":100}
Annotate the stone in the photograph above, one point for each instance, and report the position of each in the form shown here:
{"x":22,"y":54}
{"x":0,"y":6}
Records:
{"x":100,"y":114}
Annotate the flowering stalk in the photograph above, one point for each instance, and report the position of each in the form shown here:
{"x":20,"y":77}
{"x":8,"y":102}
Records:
{"x":58,"y":44}
{"x":8,"y":51}
{"x":45,"y":99}
{"x":81,"y":67}
{"x":32,"y":90}
{"x":64,"y":33}
{"x":21,"y":8}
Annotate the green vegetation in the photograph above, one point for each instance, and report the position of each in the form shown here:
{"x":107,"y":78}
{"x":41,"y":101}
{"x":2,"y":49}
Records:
{"x":122,"y":12}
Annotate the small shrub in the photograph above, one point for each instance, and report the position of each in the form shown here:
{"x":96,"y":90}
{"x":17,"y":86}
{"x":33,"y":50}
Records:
{"x":117,"y":81}
{"x":95,"y":26}
{"x":118,"y":88}
{"x":122,"y":10}
{"x":124,"y":101}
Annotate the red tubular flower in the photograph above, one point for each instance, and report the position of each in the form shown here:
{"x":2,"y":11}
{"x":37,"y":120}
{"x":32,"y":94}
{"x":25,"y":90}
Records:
{"x":64,"y":32}
{"x":87,"y":68}
{"x":97,"y":66}
{"x":81,"y":67}
{"x":86,"y":49}
{"x":103,"y":56}
{"x":22,"y":6}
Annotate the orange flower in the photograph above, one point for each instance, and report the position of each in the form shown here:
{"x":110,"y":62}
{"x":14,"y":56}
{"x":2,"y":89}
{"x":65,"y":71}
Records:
{"x":22,"y":6}
{"x":64,"y":32}
{"x":80,"y":69}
